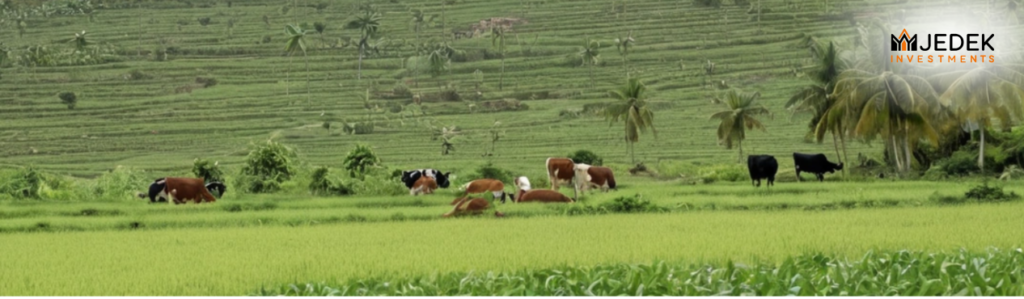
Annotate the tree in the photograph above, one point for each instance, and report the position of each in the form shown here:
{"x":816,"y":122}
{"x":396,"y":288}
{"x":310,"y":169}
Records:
{"x":632,"y":109}
{"x":984,"y":93}
{"x":368,"y":24}
{"x":68,"y":98}
{"x":420,"y":19}
{"x":739,"y":117}
{"x":359,"y":159}
{"x":498,"y":41}
{"x":296,"y":42}
{"x":589,"y":56}
{"x":495,"y":133}
{"x":896,"y":106}
{"x":814,"y":98}
{"x":624,"y":44}
{"x":79,"y":41}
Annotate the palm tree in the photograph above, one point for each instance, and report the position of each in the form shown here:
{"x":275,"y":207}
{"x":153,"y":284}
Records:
{"x":320,"y":27}
{"x":368,"y":25}
{"x":79,"y":41}
{"x":623,"y":44}
{"x":814,"y":98}
{"x":589,"y":55}
{"x":498,"y":41}
{"x":420,"y":19}
{"x":984,"y":93}
{"x":739,"y":117}
{"x":632,"y":109}
{"x":296,"y":42}
{"x":898,"y":107}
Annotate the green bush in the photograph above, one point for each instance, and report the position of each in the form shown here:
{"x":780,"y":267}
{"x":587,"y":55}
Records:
{"x":586,"y":157}
{"x":25,"y":183}
{"x":728,"y":173}
{"x":632,"y":204}
{"x":266,"y":167}
{"x":378,"y":182}
{"x":68,"y":98}
{"x":210,"y":172}
{"x":489,"y":171}
{"x":986,"y":193}
{"x":321,"y":183}
{"x":360,"y":159}
{"x":120,"y":183}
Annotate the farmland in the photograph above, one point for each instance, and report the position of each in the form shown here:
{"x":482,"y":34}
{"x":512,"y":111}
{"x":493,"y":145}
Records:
{"x":165,"y":83}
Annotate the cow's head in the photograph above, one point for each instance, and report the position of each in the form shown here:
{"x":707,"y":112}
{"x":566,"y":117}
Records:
{"x":216,"y":188}
{"x":442,"y":179}
{"x":840,"y":166}
{"x":410,"y":177}
{"x":156,"y":191}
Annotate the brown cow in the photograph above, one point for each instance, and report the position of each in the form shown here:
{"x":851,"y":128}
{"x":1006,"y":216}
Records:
{"x":599,"y":176}
{"x":470,"y":206}
{"x":496,"y":187}
{"x":423,"y":185}
{"x":560,"y":170}
{"x":182,"y":190}
{"x":543,"y":195}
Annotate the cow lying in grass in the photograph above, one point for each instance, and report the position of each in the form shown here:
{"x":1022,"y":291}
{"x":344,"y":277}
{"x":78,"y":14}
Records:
{"x":476,"y":206}
{"x":543,"y":195}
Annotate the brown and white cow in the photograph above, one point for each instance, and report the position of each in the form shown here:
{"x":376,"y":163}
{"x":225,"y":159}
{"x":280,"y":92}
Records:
{"x":423,"y":185}
{"x":560,"y":170}
{"x":543,"y":195}
{"x":464,"y":206}
{"x":600,"y":176}
{"x":496,"y":187}
{"x":180,"y":190}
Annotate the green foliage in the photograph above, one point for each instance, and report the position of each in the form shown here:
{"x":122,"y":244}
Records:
{"x":586,"y":157}
{"x":986,"y":193}
{"x":725,"y":172}
{"x":961,"y":163}
{"x":709,"y":3}
{"x":25,"y":183}
{"x":68,"y":98}
{"x":321,"y":183}
{"x":360,"y":159}
{"x":210,"y":172}
{"x":632,"y":204}
{"x":266,"y":167}
{"x":121,"y":183}
{"x":888,"y":273}
{"x":489,"y":171}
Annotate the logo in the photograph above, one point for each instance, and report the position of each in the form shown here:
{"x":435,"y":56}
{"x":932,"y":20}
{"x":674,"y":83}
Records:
{"x":965,"y":47}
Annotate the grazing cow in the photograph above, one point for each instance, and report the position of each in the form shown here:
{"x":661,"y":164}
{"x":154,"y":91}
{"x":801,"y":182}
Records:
{"x":814,"y":163}
{"x":409,"y":177}
{"x":474,"y":206}
{"x":762,"y":167}
{"x":587,"y":175}
{"x":423,"y":185}
{"x":158,"y":191}
{"x":543,"y":195}
{"x":496,"y":187}
{"x":560,"y":170}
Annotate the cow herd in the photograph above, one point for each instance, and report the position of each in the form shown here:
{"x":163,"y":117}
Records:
{"x":559,"y":170}
{"x":765,"y":167}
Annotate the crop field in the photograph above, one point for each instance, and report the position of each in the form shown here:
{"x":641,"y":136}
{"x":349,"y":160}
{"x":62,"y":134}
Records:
{"x":163,"y":85}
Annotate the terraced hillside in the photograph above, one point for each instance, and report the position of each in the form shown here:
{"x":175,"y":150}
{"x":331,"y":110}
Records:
{"x":143,"y":108}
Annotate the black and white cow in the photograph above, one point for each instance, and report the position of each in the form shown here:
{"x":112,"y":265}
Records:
{"x":409,"y":177}
{"x":762,"y":167}
{"x":158,"y":190}
{"x":814,"y":163}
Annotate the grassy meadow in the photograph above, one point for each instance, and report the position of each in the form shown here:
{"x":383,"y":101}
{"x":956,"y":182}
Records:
{"x":147,"y":109}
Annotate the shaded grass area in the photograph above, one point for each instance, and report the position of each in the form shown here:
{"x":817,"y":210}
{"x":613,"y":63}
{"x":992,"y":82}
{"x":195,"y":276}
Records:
{"x":886,"y":273}
{"x":238,"y":260}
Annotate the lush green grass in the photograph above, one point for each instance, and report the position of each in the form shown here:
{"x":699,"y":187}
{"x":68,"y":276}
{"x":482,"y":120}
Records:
{"x":994,"y":273}
{"x":218,"y":260}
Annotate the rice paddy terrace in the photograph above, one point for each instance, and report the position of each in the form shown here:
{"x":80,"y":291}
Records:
{"x":143,"y":107}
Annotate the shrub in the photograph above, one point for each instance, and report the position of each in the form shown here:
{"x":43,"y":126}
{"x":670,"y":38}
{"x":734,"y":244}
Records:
{"x":489,"y":171}
{"x":961,"y":163}
{"x":25,"y":183}
{"x":68,"y":98}
{"x":204,"y":21}
{"x":360,"y":159}
{"x":986,"y":193}
{"x":266,"y":167}
{"x":728,"y":173}
{"x":120,"y":183}
{"x":586,"y":157}
{"x":709,"y":3}
{"x":210,"y":172}
{"x":634,"y":204}
{"x":321,"y":183}
{"x":138,"y":75}
{"x":206,"y":82}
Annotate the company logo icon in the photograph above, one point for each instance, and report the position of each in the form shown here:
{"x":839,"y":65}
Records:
{"x":904,"y":43}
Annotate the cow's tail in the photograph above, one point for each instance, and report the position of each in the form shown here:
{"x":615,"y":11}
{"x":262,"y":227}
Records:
{"x":611,"y":182}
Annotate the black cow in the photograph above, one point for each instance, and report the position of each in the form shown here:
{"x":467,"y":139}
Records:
{"x":158,"y":192}
{"x":762,"y":167}
{"x":814,"y":163}
{"x":409,"y":177}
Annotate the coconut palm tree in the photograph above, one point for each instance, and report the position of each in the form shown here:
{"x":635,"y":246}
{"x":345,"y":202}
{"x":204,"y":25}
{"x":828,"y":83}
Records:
{"x":368,"y":25}
{"x":320,"y":27}
{"x":589,"y":55}
{"x":419,"y":20}
{"x":986,"y":92}
{"x":294,"y":43}
{"x":739,"y":117}
{"x":632,"y":109}
{"x":898,"y":107}
{"x":498,"y":41}
{"x":814,"y":98}
{"x":624,"y":44}
{"x":79,"y":41}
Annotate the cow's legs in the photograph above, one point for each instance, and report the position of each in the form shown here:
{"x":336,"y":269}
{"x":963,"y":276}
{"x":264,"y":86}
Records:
{"x":821,"y":177}
{"x":771,"y":181}
{"x":798,"y":175}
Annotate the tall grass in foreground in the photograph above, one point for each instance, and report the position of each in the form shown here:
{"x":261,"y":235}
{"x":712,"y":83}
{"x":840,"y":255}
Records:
{"x":889,"y":273}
